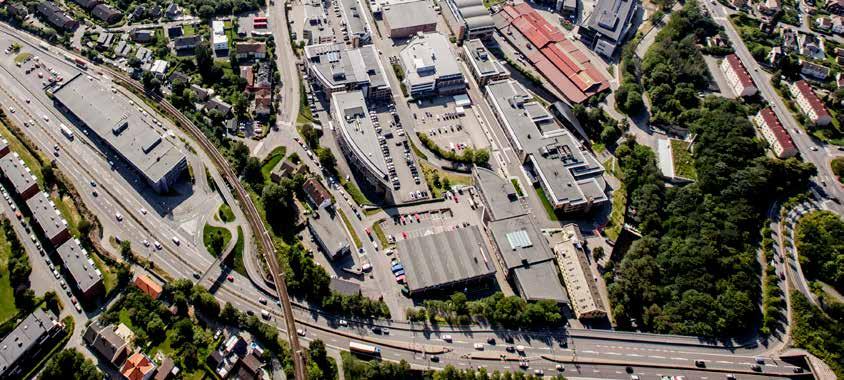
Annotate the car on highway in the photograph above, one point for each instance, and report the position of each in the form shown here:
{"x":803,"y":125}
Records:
{"x":146,"y":243}
{"x":118,"y":216}
{"x":343,"y":323}
{"x":262,"y":300}
{"x":143,"y":211}
{"x":560,"y":367}
{"x":447,"y":338}
{"x":157,"y":245}
{"x":265,"y":314}
{"x":479,"y":346}
{"x":524,"y":364}
{"x":538,"y":372}
{"x":176,"y":241}
{"x":520,"y":348}
{"x":196,"y":275}
{"x":93,"y":183}
{"x":700,"y":363}
{"x":491,"y":341}
{"x":300,"y":332}
{"x":435,"y":359}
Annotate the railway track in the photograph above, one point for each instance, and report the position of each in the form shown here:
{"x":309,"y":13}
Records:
{"x":265,"y":244}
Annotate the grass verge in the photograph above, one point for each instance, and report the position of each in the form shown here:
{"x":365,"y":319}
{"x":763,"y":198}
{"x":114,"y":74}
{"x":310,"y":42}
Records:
{"x":238,"y":252}
{"x":207,"y":234}
{"x":272,"y":160}
{"x":355,"y":192}
{"x":616,"y":220}
{"x":546,"y":204}
{"x":379,"y":233}
{"x":440,"y":181}
{"x":225,"y":213}
{"x":109,"y":277}
{"x":7,"y":294}
{"x":518,"y":188}
{"x":355,"y":237}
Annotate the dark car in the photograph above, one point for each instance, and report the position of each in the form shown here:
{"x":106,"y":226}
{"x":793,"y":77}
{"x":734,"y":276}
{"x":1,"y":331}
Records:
{"x":491,"y":340}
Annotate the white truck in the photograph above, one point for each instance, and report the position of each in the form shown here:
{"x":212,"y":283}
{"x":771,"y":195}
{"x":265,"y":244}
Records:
{"x":364,"y":348}
{"x":66,"y":131}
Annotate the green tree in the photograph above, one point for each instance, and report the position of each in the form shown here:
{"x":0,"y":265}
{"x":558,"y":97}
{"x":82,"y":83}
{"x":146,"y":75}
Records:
{"x":70,"y":364}
{"x":310,"y":135}
{"x":51,"y":299}
{"x":327,"y":159}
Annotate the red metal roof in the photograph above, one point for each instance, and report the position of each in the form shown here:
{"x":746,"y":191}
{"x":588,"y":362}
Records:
{"x":773,"y":123}
{"x":562,"y":63}
{"x":813,"y":99}
{"x":741,"y":72}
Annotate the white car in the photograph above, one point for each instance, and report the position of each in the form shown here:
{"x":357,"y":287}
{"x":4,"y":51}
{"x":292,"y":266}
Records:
{"x":176,"y":241}
{"x":343,"y":323}
{"x":157,"y":245}
{"x":300,"y":332}
{"x":118,"y":216}
{"x":447,"y":338}
{"x":46,"y":118}
{"x":479,"y":346}
{"x":143,"y":211}
{"x":146,"y":243}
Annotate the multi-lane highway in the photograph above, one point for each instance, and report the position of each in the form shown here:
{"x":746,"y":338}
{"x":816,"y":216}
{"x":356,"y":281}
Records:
{"x":607,"y":352}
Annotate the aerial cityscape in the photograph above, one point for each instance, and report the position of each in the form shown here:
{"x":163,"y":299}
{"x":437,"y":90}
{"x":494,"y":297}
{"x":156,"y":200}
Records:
{"x":422,"y":189}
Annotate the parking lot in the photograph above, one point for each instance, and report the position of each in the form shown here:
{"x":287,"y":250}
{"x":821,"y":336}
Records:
{"x":405,"y":174}
{"x":450,"y":126}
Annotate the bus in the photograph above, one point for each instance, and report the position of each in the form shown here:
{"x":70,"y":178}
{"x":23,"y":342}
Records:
{"x":364,"y":348}
{"x":66,"y":131}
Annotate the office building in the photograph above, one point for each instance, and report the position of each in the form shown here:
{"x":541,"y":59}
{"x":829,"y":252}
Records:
{"x":570,"y":177}
{"x":360,"y":143}
{"x":778,"y":139}
{"x":430,"y":67}
{"x":405,"y":19}
{"x":484,"y":67}
{"x":608,"y":25}
{"x":356,"y":19}
{"x":335,"y":68}
{"x":567,"y":244}
{"x":737,"y":76}
{"x":316,"y":30}
{"x":809,"y":103}
{"x":123,"y":127}
{"x":468,"y":19}
{"x":449,"y":260}
{"x":568,"y":69}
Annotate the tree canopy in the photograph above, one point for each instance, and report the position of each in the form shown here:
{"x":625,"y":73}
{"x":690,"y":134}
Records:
{"x":820,"y":245}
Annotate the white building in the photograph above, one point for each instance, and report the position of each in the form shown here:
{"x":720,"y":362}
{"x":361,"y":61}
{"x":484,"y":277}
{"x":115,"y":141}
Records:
{"x":779,"y":140}
{"x":809,"y":103}
{"x":219,"y":40}
{"x":737,"y":76}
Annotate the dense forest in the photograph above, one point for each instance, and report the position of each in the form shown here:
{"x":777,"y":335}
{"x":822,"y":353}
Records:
{"x":694,"y":272}
{"x":819,"y":333}
{"x":820,"y":243}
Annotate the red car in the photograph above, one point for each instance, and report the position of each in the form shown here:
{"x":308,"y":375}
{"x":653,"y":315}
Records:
{"x":230,"y":278}
{"x":404,"y":234}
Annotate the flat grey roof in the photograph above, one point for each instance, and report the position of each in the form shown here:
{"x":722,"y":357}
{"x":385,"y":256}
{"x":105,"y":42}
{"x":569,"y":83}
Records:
{"x":563,"y":165}
{"x":428,"y":57}
{"x":25,"y":337}
{"x":329,"y":230}
{"x":611,"y":18}
{"x":355,"y":126}
{"x":17,"y":172}
{"x":409,"y":14}
{"x":46,"y":215}
{"x":519,"y":241}
{"x":540,"y":281}
{"x":79,"y":265}
{"x":444,"y":259}
{"x":339,"y":66}
{"x":500,"y":195}
{"x":354,"y":14}
{"x":481,"y":59}
{"x":103,"y":111}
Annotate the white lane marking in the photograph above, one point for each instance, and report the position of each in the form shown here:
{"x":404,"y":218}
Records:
{"x":613,"y":353}
{"x":635,"y":355}
{"x":679,"y":359}
{"x":656,"y":357}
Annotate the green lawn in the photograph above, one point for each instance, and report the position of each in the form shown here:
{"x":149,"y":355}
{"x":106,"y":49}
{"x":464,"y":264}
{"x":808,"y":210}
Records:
{"x":225,"y":213}
{"x":616,"y":222}
{"x":379,"y":233}
{"x":69,"y":211}
{"x":209,"y":231}
{"x":238,"y":253}
{"x":516,"y":186}
{"x":355,"y":193}
{"x":546,"y":204}
{"x":22,"y":57}
{"x":683,"y":161}
{"x":272,"y":160}
{"x":109,"y":277}
{"x":351,"y":229}
{"x":453,"y":179}
{"x":305,"y":116}
{"x":7,"y":294}
{"x":17,"y":146}
{"x":188,"y":30}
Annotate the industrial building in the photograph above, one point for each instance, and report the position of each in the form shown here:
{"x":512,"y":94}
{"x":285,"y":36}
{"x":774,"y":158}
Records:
{"x":567,"y":68}
{"x":358,"y":140}
{"x":771,"y":128}
{"x":529,"y":261}
{"x":499,"y":198}
{"x":608,"y":25}
{"x":404,"y":19}
{"x":430,"y":67}
{"x":355,"y":18}
{"x":334,"y":68}
{"x":570,"y":177}
{"x":484,"y":67}
{"x":316,"y":30}
{"x":48,"y":219}
{"x":17,"y":175}
{"x":27,"y":342}
{"x":326,"y":228}
{"x":86,"y":278}
{"x":567,"y":244}
{"x":126,"y":129}
{"x":468,"y":19}
{"x":450,"y":260}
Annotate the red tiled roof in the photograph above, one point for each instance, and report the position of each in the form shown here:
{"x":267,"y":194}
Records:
{"x":741,"y":72}
{"x":148,"y":286}
{"x":561,"y":62}
{"x":813,"y":99}
{"x":137,"y":366}
{"x":773,"y":123}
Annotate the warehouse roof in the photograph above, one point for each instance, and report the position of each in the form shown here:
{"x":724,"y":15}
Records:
{"x":428,"y":55}
{"x":355,"y":17}
{"x":444,"y":259}
{"x":122,"y":125}
{"x":481,"y":59}
{"x":499,"y":195}
{"x":540,"y":281}
{"x":519,"y":241}
{"x":328,"y":230}
{"x":409,"y":14}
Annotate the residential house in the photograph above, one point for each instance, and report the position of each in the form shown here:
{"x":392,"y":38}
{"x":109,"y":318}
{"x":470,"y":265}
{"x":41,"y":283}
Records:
{"x":154,"y":12}
{"x":159,"y":69}
{"x":811,"y":46}
{"x":737,"y":76}
{"x":263,"y":77}
{"x":17,"y":10}
{"x":28,"y":341}
{"x":838,"y":25}
{"x":138,"y":367}
{"x":56,"y":17}
{"x":106,"y":343}
{"x":835,"y":6}
{"x":789,"y":40}
{"x":839,"y":56}
{"x":166,"y":370}
{"x":768,"y":8}
{"x":248,"y":75}
{"x":779,"y":140}
{"x":317,"y":193}
{"x":287,"y":169}
{"x":219,"y":40}
{"x":178,"y":76}
{"x":107,"y":13}
{"x":813,"y":70}
{"x":186,"y":44}
{"x":216,"y":104}
{"x":143,"y":54}
{"x":148,"y":286}
{"x":139,"y":12}
{"x":809,"y":103}
{"x":142,"y":35}
{"x":251,"y":50}
{"x":263,"y":103}
{"x":775,"y":56}
{"x":202,"y":94}
{"x":839,"y":80}
{"x":174,"y":31}
{"x":739,"y":4}
{"x":824,"y":23}
{"x":173,"y":11}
